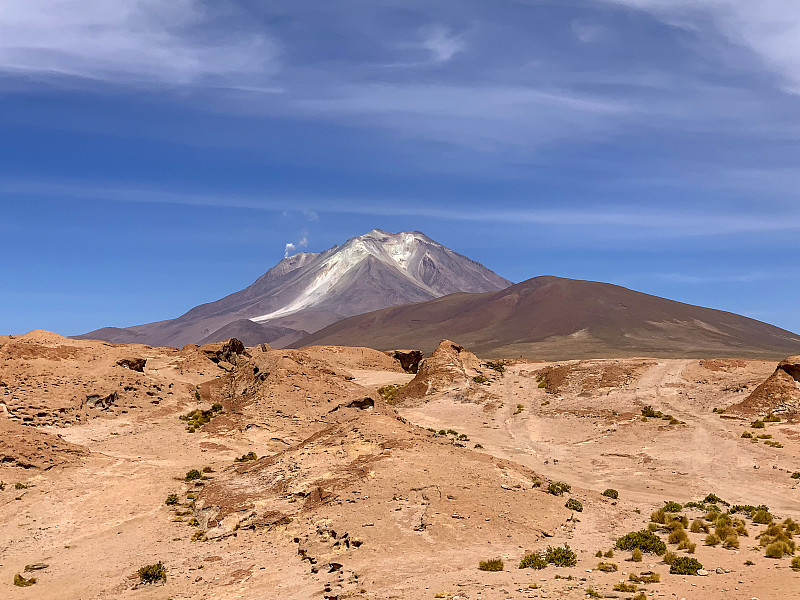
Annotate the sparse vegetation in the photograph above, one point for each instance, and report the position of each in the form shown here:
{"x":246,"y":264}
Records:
{"x":685,"y":565}
{"x":592,"y":594}
{"x":558,"y":488}
{"x":747,"y":434}
{"x":574,"y":504}
{"x":644,"y":578}
{"x":770,"y":418}
{"x":795,"y":475}
{"x":171,"y":500}
{"x":388,"y":392}
{"x":636,"y":555}
{"x":533,"y":561}
{"x":625,"y":587}
{"x":607,"y":567}
{"x":520,"y":408}
{"x":493,"y":564}
{"x":478,"y":446}
{"x":611,"y":493}
{"x":497,"y":365}
{"x":672,"y":507}
{"x":20,"y":581}
{"x":246,"y":457}
{"x":193,"y":475}
{"x":757,"y":424}
{"x":479,"y":379}
{"x":20,"y":486}
{"x":152,"y":573}
{"x":199,"y":417}
{"x":796,"y":563}
{"x":644,"y":540}
{"x":561,"y":557}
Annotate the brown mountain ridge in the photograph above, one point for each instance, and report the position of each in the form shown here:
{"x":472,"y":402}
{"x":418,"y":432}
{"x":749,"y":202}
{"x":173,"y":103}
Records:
{"x":555,"y":318}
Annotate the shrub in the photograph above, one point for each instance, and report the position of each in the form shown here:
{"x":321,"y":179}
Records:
{"x":685,"y":565}
{"x":561,"y":557}
{"x":20,"y":581}
{"x":592,"y":594}
{"x":639,"y":596}
{"x":193,"y":475}
{"x":711,"y":540}
{"x":609,"y":554}
{"x":599,"y":554}
{"x":20,"y":486}
{"x":625,"y":587}
{"x":557,"y":488}
{"x":658,"y":516}
{"x":152,"y":573}
{"x":636,"y":555}
{"x":520,"y":408}
{"x":607,"y":567}
{"x":669,"y":557}
{"x":493,"y":564}
{"x":478,"y":446}
{"x":575,"y":505}
{"x":388,"y":391}
{"x":777,"y":550}
{"x":677,"y":536}
{"x":497,"y":365}
{"x":796,"y":475}
{"x":646,"y":577}
{"x":646,"y":541}
{"x":246,"y":457}
{"x":672,"y":507}
{"x":614,"y":494}
{"x":731,"y":542}
{"x":698,"y":526}
{"x":479,"y":379}
{"x":199,"y":536}
{"x":533,"y":561}
{"x":647,"y":411}
{"x":690,"y":547}
{"x":757,"y":424}
{"x":747,"y":434}
{"x":199,"y":417}
{"x":171,"y":500}
{"x":796,"y":563}
{"x":762,"y":517}
{"x":770,"y":418}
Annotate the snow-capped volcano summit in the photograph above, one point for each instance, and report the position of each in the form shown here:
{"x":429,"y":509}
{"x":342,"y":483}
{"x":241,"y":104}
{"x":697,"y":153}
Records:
{"x":308,"y":291}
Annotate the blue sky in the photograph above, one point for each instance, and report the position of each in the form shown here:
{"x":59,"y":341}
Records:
{"x":157,"y":155}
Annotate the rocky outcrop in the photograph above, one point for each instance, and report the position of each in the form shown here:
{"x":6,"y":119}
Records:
{"x":230,"y":351}
{"x":134,"y":364}
{"x":449,"y":366}
{"x":779,"y":394}
{"x":409,"y":359}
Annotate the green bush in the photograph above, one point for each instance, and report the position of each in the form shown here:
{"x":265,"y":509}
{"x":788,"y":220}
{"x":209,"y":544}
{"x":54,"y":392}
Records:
{"x":388,"y":392}
{"x":497,"y":365}
{"x":575,"y":505}
{"x":685,"y":565}
{"x":153,"y":573}
{"x":479,"y":379}
{"x":246,"y":457}
{"x":625,"y":587}
{"x":533,"y":561}
{"x":646,"y":577}
{"x":171,"y":500}
{"x":193,"y":475}
{"x":611,"y":493}
{"x":796,"y":475}
{"x":636,"y":555}
{"x":711,"y":540}
{"x":607,"y":567}
{"x":672,"y":507}
{"x":647,"y":411}
{"x":770,"y":418}
{"x":796,"y":563}
{"x":747,"y":434}
{"x":561,"y":557}
{"x":644,"y":540}
{"x":493,"y":564}
{"x":557,"y":488}
{"x":757,"y":424}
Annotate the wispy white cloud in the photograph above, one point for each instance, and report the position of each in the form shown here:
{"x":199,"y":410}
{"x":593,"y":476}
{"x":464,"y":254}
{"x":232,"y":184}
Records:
{"x":588,"y":33}
{"x":769,"y":28}
{"x":142,"y":41}
{"x":442,"y":44}
{"x":603,"y":221}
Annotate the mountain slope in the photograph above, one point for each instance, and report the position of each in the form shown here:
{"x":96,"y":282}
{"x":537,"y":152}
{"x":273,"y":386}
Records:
{"x":308,"y":291}
{"x":555,"y":318}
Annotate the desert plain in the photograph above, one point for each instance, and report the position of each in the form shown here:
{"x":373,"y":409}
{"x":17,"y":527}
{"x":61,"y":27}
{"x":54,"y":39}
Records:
{"x":332,"y":472}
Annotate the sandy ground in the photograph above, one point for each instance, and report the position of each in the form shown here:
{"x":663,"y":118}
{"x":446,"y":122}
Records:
{"x":422,"y":508}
